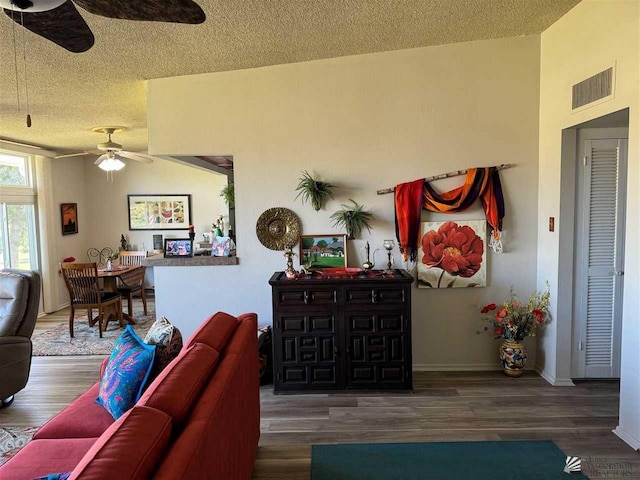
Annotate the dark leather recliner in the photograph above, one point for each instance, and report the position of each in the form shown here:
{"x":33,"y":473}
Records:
{"x":19,"y":301}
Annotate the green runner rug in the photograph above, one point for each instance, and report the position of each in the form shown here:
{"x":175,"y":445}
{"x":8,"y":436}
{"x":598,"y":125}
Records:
{"x":512,"y":460}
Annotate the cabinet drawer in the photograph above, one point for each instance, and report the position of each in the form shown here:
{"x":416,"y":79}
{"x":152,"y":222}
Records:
{"x":375,"y":295}
{"x":308,"y":296}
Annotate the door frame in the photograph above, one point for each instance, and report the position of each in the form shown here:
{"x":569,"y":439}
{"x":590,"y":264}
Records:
{"x":566,"y":224}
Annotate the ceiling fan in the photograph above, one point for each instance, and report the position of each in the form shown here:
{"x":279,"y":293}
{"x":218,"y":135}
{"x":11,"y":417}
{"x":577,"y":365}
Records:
{"x":60,"y":22}
{"x":110,"y":152}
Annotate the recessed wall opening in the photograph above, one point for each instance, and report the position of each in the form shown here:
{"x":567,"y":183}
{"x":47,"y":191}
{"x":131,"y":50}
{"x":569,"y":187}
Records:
{"x":592,"y":213}
{"x":221,"y":165}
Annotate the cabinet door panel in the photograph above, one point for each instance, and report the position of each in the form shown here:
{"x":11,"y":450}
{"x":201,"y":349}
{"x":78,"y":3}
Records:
{"x":391,"y":322}
{"x":376,"y":349}
{"x":392,"y":374}
{"x":375,"y":295}
{"x":361,"y":323}
{"x":305,"y":351}
{"x":308,"y":296}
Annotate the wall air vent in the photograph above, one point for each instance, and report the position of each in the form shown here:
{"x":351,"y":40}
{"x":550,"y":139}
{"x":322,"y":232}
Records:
{"x":594,"y":88}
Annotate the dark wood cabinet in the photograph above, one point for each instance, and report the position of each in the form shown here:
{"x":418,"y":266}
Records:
{"x":345,"y":332}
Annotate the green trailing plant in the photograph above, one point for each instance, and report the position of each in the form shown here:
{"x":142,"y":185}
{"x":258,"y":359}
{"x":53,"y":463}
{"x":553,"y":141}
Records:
{"x":354,"y":218}
{"x":228,"y":193}
{"x":314,"y":191}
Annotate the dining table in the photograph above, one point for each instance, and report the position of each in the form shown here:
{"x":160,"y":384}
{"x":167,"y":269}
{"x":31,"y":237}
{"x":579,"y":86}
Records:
{"x":110,"y":283}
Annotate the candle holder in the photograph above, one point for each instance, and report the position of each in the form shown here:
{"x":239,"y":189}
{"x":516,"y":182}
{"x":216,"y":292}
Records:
{"x":389,"y":246}
{"x":290,"y":272}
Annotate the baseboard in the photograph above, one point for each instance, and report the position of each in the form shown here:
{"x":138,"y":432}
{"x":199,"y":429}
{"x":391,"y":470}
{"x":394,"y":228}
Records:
{"x":556,"y":382}
{"x":56,"y":309}
{"x":628,"y":438}
{"x":456,"y":367}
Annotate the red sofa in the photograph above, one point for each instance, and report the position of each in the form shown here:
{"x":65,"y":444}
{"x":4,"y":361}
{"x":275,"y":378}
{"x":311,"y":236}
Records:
{"x":199,"y":419}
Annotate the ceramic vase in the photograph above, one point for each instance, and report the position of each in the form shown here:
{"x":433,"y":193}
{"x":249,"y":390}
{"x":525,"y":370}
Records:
{"x":513,"y":356}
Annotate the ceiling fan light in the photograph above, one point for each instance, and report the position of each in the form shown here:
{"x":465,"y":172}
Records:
{"x":111,"y":164}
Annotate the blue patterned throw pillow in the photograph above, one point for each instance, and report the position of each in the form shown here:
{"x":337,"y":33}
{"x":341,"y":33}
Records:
{"x":55,"y":476}
{"x":126,"y":373}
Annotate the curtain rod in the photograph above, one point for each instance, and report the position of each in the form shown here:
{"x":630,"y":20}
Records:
{"x":445,"y":175}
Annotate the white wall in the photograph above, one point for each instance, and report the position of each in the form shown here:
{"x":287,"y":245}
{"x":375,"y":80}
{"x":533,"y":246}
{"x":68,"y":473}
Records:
{"x":68,"y":180}
{"x":102,"y":207}
{"x":108,"y":208}
{"x":364,"y":123}
{"x":590,"y":38}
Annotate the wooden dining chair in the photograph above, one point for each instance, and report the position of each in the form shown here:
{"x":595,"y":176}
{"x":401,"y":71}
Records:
{"x":132,"y":257}
{"x":132,"y":284}
{"x":82,"y":284}
{"x":99,"y":256}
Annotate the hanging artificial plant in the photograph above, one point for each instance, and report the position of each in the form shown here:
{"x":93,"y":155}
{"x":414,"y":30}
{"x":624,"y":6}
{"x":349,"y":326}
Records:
{"x":314,"y":191}
{"x":353,"y":218}
{"x":228,"y":193}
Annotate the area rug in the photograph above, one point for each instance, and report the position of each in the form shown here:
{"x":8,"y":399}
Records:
{"x":86,"y":340}
{"x":530,"y":460}
{"x":12,"y":439}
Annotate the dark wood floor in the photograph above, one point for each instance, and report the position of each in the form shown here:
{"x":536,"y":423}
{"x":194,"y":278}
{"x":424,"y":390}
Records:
{"x":444,"y":407}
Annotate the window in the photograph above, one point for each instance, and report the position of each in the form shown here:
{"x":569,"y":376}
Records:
{"x":14,"y":170}
{"x":18,"y":240}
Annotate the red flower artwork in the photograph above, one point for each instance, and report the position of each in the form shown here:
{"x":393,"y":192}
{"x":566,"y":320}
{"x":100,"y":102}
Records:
{"x":456,"y":249}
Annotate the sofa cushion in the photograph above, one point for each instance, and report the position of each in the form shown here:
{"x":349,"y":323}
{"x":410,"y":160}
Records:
{"x":42,"y":457}
{"x":215,"y":331}
{"x":178,"y":386}
{"x":225,"y":420}
{"x":14,"y":292}
{"x":168,"y":341}
{"x":82,"y":418}
{"x":131,"y":448}
{"x":124,"y":378}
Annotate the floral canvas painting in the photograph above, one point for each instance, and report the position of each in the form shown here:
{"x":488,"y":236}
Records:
{"x":452,"y":254}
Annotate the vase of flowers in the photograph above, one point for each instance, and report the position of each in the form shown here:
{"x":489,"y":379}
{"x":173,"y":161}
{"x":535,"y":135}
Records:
{"x":513,"y":321}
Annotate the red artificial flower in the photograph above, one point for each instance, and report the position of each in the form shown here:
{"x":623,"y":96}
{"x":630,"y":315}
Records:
{"x":498,"y":330}
{"x":456,"y":249}
{"x":68,"y":260}
{"x":488,"y":308}
{"x":500,"y":314}
{"x":539,"y":315}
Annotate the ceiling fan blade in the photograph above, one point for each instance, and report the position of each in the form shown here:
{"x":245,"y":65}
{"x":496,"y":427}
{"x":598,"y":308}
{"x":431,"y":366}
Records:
{"x":140,"y":157}
{"x":63,"y":25}
{"x":71,"y":155}
{"x":177,"y":11}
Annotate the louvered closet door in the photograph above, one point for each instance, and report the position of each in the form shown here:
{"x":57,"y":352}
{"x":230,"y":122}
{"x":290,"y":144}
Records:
{"x":602,"y":261}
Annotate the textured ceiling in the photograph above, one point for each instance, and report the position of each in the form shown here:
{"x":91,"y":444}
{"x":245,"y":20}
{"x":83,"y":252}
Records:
{"x":69,"y":93}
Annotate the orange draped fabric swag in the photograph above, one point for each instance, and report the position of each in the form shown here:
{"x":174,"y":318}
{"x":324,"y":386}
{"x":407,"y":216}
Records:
{"x":483,"y":183}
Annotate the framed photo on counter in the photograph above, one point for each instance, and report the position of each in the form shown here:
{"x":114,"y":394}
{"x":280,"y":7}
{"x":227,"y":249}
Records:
{"x":178,"y":247}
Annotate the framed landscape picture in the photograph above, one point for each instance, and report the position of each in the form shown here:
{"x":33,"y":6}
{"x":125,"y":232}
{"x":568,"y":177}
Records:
{"x":323,"y":251}
{"x":69,"y":216}
{"x":159,"y":212}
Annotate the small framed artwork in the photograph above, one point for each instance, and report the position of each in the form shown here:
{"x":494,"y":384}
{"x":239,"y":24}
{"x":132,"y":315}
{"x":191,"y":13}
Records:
{"x":69,"y":216}
{"x":323,"y":251}
{"x":221,"y":247}
{"x":159,"y":212}
{"x":178,"y":247}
